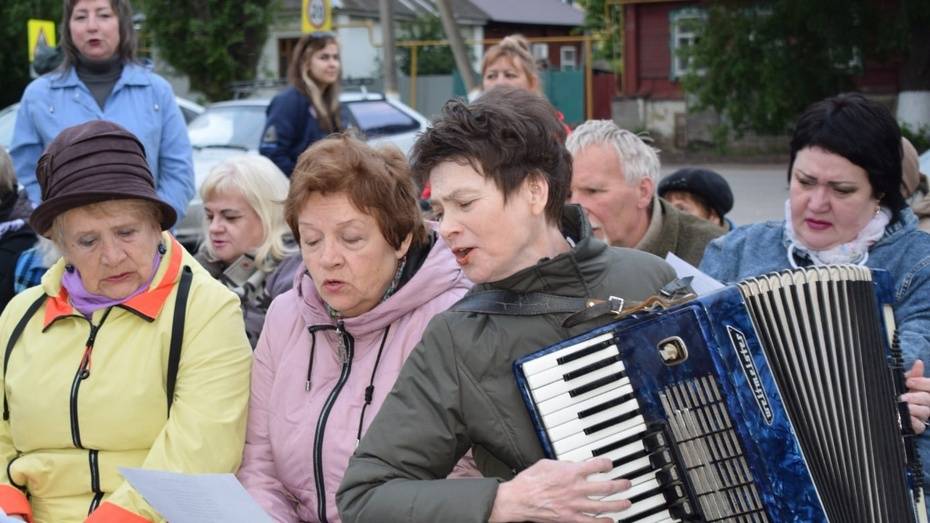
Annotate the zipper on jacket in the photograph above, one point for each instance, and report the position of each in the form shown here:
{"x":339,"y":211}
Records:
{"x":94,"y":481}
{"x":324,"y":415}
{"x":83,"y":372}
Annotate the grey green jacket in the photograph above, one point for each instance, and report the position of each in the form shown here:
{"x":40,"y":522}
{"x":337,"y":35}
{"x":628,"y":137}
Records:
{"x":671,"y":230}
{"x":457,"y":391}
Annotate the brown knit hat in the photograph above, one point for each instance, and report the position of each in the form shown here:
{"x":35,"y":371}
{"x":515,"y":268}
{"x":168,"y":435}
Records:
{"x":89,"y":163}
{"x":910,"y":167}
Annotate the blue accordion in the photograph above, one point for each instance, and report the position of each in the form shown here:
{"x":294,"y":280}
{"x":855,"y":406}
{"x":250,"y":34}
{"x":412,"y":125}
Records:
{"x":772,"y":400}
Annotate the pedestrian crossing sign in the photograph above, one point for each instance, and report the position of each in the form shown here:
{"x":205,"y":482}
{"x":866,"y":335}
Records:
{"x":41,"y":34}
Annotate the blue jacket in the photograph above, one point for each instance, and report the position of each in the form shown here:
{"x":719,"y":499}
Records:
{"x":290,"y":128}
{"x":904,"y":251}
{"x":141,"y":101}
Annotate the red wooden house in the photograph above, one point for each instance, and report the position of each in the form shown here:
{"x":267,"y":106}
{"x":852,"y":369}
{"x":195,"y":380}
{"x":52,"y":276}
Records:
{"x":651,"y":94}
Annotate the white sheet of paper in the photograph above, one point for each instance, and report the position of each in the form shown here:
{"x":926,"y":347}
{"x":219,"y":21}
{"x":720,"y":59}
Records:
{"x":702,"y":283}
{"x":196,"y":498}
{"x":7,"y":519}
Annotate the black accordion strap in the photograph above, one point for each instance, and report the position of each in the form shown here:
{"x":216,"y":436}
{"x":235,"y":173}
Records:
{"x":509,"y":303}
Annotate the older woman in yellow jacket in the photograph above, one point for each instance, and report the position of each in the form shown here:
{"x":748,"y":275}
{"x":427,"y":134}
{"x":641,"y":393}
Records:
{"x":128,"y":355}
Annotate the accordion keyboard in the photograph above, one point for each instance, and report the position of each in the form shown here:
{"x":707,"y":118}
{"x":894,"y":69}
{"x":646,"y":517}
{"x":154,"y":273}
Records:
{"x":587,"y":406}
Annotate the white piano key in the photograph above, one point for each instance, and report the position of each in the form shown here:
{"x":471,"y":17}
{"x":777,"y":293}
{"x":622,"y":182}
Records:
{"x":586,"y":452}
{"x":556,"y":373}
{"x":642,"y":484}
{"x":563,"y":399}
{"x":577,"y":440}
{"x":559,"y":387}
{"x":549,"y":360}
{"x":622,"y":471}
{"x":570,"y":413}
{"x":642,"y":506}
{"x":565,"y":430}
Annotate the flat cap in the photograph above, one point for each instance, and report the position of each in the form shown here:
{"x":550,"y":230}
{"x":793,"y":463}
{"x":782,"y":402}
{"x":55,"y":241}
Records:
{"x":707,"y":184}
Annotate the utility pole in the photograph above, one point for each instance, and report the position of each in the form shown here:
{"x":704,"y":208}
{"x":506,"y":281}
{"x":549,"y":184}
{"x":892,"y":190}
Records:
{"x":388,"y":68}
{"x":458,"y":46}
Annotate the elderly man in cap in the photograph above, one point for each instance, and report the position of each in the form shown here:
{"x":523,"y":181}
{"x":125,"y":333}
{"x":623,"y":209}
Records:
{"x":94,"y":376}
{"x":699,"y":192}
{"x":614,"y":178}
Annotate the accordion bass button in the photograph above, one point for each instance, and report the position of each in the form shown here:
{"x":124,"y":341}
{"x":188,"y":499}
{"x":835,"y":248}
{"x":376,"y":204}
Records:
{"x":672,"y":350}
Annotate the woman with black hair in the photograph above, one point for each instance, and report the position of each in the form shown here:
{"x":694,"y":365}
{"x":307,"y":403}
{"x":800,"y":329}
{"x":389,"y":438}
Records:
{"x":845,"y":207}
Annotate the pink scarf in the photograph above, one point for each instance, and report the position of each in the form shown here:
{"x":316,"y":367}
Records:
{"x":87,"y":302}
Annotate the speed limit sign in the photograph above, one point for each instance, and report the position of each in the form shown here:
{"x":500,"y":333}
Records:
{"x":317,"y":16}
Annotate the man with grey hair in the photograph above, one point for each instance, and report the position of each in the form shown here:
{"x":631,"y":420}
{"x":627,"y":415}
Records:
{"x":614,"y":179}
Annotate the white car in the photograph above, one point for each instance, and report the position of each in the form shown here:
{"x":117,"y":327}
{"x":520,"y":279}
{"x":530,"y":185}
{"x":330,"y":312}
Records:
{"x":189,"y":109}
{"x":235,"y":127}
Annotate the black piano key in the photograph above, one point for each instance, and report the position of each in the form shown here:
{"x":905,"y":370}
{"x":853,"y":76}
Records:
{"x":588,"y":387}
{"x":581,"y":371}
{"x":652,"y":441}
{"x":597,"y":427}
{"x":585,"y":351}
{"x":630,"y":457}
{"x":620,"y":400}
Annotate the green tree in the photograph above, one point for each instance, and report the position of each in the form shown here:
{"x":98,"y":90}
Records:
{"x":761,"y":63}
{"x":213,"y":42}
{"x":14,"y":41}
{"x":603,"y":19}
{"x":431,"y":59}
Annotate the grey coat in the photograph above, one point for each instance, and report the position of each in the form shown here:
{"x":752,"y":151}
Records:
{"x":457,"y":392}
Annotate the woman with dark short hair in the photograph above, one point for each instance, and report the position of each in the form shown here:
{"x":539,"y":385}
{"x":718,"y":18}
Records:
{"x":100,"y":79}
{"x":374,"y":275}
{"x":500,"y":175}
{"x":845,"y":206}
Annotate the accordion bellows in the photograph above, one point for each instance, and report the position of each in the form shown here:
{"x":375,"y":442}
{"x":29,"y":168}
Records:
{"x":772,"y":400}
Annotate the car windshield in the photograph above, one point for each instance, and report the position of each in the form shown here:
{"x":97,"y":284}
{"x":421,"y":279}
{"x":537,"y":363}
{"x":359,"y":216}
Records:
{"x":234,"y":126}
{"x":378,"y":118}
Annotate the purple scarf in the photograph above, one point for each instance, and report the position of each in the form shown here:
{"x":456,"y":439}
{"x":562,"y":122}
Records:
{"x":87,"y":302}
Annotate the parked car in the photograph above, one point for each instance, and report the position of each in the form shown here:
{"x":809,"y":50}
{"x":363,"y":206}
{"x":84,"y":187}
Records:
{"x":189,"y":109}
{"x":235,"y":127}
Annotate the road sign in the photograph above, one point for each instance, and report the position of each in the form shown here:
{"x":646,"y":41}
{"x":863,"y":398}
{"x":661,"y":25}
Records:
{"x":41,"y":33}
{"x":316,"y":15}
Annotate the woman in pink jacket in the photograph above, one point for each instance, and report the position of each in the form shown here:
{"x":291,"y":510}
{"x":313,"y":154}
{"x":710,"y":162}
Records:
{"x":332,"y":346}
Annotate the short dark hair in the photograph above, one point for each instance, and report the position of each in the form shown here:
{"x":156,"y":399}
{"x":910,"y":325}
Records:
{"x":376,"y":181}
{"x":127,"y":33}
{"x":507,"y":135}
{"x":862,"y":131}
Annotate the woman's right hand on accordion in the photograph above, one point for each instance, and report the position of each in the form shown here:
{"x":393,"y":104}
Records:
{"x":558,"y":491}
{"x":918,"y":397}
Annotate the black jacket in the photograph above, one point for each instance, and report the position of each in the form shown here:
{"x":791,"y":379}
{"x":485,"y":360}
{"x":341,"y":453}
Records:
{"x":290,"y":128}
{"x":15,"y":237}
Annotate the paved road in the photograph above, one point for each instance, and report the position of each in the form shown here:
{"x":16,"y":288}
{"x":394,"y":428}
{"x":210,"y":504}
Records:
{"x":759,"y":191}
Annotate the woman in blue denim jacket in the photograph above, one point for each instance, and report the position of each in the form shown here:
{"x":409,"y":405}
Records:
{"x":845,"y":206}
{"x":99,"y":80}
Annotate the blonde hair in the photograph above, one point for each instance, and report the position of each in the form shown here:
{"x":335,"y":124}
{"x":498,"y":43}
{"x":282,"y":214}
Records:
{"x":325,"y":101}
{"x":264,"y":187}
{"x":516,"y":48}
